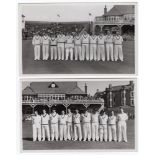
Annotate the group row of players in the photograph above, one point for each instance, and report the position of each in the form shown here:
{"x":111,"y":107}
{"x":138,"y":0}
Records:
{"x":78,"y":47}
{"x":96,"y":126}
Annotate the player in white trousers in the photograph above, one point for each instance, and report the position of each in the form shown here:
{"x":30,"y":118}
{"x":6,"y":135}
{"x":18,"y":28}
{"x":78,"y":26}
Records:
{"x":36,"y":42}
{"x":69,"y":125}
{"x":93,"y":47}
{"x":122,"y":117}
{"x":62,"y":123}
{"x":112,"y":127}
{"x":118,"y":52}
{"x":69,"y":46}
{"x":77,"y":48}
{"x":95,"y":126}
{"x":101,"y":48}
{"x":86,"y":120}
{"x":109,"y":46}
{"x":45,"y":46}
{"x":36,"y":126}
{"x":103,"y":118}
{"x":61,"y":46}
{"x":85,"y":46}
{"x":54,"y":118}
{"x":45,"y":125}
{"x":53,"y":47}
{"x":77,"y":126}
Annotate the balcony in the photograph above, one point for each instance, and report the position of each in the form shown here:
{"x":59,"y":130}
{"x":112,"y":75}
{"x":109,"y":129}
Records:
{"x":122,"y":21}
{"x":54,"y":102}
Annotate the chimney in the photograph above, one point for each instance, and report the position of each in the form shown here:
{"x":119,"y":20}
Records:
{"x":97,"y":90}
{"x":105,"y":10}
{"x":85,"y":88}
{"x":110,"y":85}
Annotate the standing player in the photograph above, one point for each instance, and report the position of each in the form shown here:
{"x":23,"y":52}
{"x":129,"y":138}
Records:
{"x":86,"y":119}
{"x":54,"y":118}
{"x":69,"y":46}
{"x":45,"y":46}
{"x":85,"y":46}
{"x":36,"y":125}
{"x":63,"y":121}
{"x":103,"y":118}
{"x":122,"y":128}
{"x":118,"y":52}
{"x":101,"y":48}
{"x":93,"y":47}
{"x":77,"y":42}
{"x":45,"y":125}
{"x":53,"y":47}
{"x":69,"y":125}
{"x":36,"y":42}
{"x":77,"y":126}
{"x":112,"y":127}
{"x":109,"y":46}
{"x":61,"y":46}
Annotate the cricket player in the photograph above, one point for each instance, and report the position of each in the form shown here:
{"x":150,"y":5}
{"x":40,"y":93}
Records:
{"x":53,"y":45}
{"x":77,"y":126}
{"x":109,"y":46}
{"x":85,"y":46}
{"x":122,"y":117}
{"x":118,"y":52}
{"x":69,"y":125}
{"x":86,"y":119}
{"x":112,"y":127}
{"x":36,"y":125}
{"x":45,"y":46}
{"x":54,"y":118}
{"x":77,"y":42}
{"x":61,"y":46}
{"x":93,"y":47}
{"x":45,"y":125}
{"x":103,"y":118}
{"x":63,"y":121}
{"x":101,"y":48}
{"x":36,"y":42}
{"x":69,"y":46}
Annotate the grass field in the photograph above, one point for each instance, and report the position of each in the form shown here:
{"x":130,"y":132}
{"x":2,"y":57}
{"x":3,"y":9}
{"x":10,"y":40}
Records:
{"x":28,"y":144}
{"x":78,"y":67}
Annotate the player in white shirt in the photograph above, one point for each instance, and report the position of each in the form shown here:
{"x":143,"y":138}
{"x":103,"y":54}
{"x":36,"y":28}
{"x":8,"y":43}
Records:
{"x":86,"y":120}
{"x":69,"y":125}
{"x":85,"y":46}
{"x":36,"y":126}
{"x":109,"y":46}
{"x":54,"y":118}
{"x":77,"y":125}
{"x":62,"y":123}
{"x":69,"y":46}
{"x":77,"y":42}
{"x":53,"y":45}
{"x":112,"y":127}
{"x":45,"y":125}
{"x":61,"y":46}
{"x":93,"y":47}
{"x":45,"y":46}
{"x":36,"y":42}
{"x":103,"y":118}
{"x":101,"y":48}
{"x":122,"y":117}
{"x":118,"y":52}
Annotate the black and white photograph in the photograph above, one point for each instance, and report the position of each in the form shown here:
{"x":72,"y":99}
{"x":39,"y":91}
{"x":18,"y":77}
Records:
{"x":78,"y":114}
{"x":78,"y":38}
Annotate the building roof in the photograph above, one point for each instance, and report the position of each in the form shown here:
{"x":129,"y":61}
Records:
{"x":28,"y":91}
{"x":60,"y":88}
{"x":119,"y":10}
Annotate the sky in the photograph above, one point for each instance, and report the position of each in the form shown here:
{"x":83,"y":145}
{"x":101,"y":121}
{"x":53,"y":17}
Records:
{"x":67,"y":12}
{"x":92,"y":85}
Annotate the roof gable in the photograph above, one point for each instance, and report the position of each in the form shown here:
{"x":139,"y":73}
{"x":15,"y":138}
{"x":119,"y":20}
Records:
{"x":28,"y":91}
